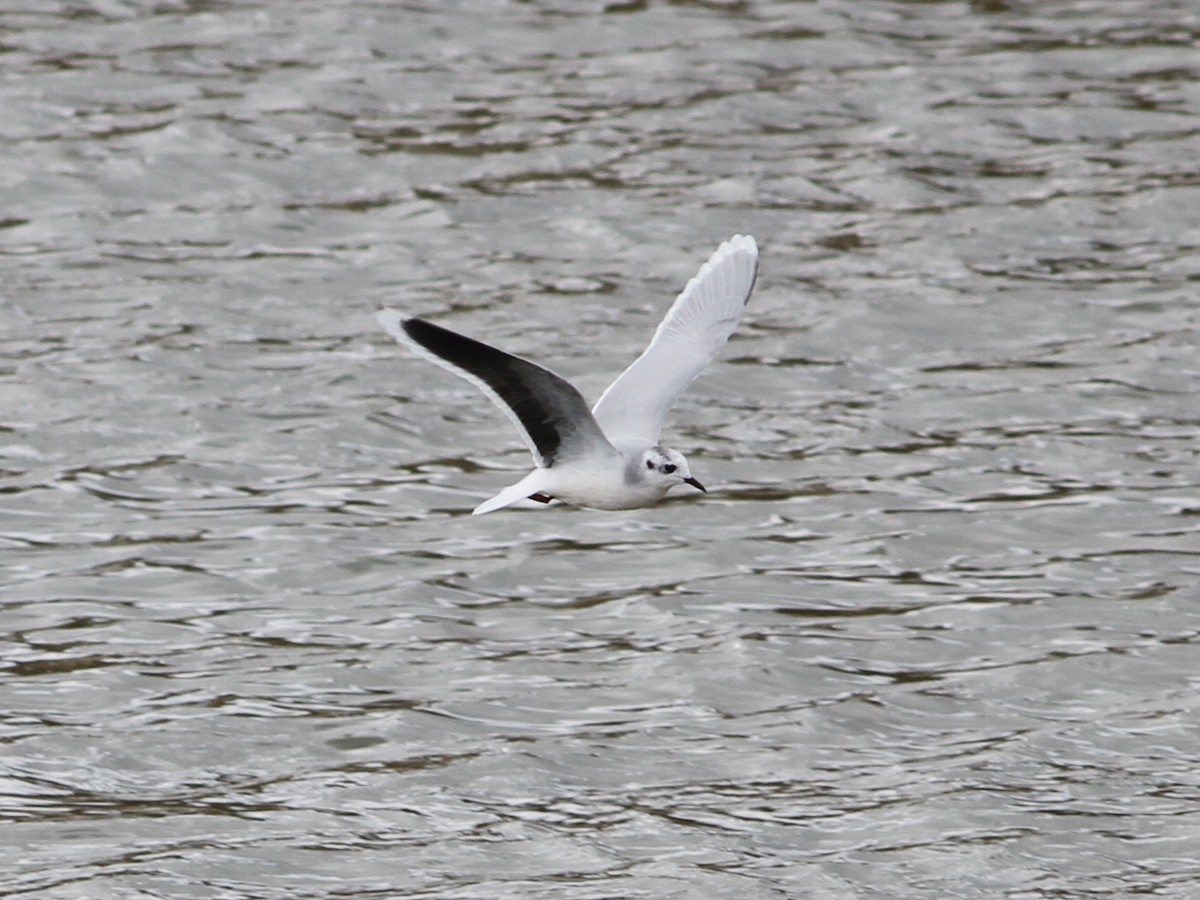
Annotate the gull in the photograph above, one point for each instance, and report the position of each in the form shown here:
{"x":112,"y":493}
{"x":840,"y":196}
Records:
{"x":609,"y":457}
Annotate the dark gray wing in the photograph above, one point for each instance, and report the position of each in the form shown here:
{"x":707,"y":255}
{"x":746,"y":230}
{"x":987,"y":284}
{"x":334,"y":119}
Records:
{"x":550,"y":413}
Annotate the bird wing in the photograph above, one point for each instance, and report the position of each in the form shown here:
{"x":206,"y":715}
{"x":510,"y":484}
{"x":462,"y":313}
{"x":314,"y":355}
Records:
{"x":695,"y":328}
{"x":549,"y":411}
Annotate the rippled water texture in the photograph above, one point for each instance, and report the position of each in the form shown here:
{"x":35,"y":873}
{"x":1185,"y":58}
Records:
{"x":932,"y":633}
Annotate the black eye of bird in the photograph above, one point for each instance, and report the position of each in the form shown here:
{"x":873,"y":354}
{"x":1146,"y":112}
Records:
{"x":649,"y":464}
{"x":668,"y":468}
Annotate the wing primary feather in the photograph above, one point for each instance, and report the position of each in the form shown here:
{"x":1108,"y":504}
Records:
{"x":695,"y":328}
{"x":548,"y":410}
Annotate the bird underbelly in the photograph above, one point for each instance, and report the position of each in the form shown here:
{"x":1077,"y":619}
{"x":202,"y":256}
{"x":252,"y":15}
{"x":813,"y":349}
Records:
{"x":622,"y":497}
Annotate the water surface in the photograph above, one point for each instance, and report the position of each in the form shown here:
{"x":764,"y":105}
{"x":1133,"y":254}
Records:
{"x":933,"y":631}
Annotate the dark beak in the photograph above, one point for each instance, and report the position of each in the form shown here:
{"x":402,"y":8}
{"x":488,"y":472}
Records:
{"x":694,"y":483}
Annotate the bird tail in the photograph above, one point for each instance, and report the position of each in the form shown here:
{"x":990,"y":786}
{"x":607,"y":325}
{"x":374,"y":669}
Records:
{"x":513,"y":494}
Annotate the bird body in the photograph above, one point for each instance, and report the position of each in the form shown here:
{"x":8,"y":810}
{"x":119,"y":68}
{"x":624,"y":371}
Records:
{"x":595,"y":483}
{"x":608,"y":457}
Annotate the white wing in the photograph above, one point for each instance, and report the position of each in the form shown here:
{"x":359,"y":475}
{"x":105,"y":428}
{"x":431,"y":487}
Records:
{"x":695,"y":328}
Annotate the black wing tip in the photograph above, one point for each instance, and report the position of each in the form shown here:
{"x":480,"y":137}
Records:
{"x":515,"y":383}
{"x":456,"y":349}
{"x":441,"y":342}
{"x":398,"y":323}
{"x":415,"y":328}
{"x":392,"y":321}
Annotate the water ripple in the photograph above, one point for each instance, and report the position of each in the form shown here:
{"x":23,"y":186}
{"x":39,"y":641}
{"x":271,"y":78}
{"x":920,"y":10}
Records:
{"x":928,"y":633}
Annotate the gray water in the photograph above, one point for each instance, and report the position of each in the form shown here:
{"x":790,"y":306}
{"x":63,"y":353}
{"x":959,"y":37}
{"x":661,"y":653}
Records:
{"x":932,"y":633}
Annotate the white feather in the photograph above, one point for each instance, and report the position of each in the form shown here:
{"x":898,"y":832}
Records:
{"x":694,"y":330}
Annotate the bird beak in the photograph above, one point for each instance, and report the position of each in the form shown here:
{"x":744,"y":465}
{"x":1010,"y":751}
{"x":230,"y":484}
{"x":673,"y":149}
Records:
{"x":694,"y":483}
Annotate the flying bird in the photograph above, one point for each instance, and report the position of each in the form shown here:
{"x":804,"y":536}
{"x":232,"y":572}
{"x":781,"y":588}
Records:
{"x":608,"y":457}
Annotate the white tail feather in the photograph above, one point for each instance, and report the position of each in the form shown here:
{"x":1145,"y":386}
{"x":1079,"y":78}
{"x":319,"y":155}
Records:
{"x":513,"y":494}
